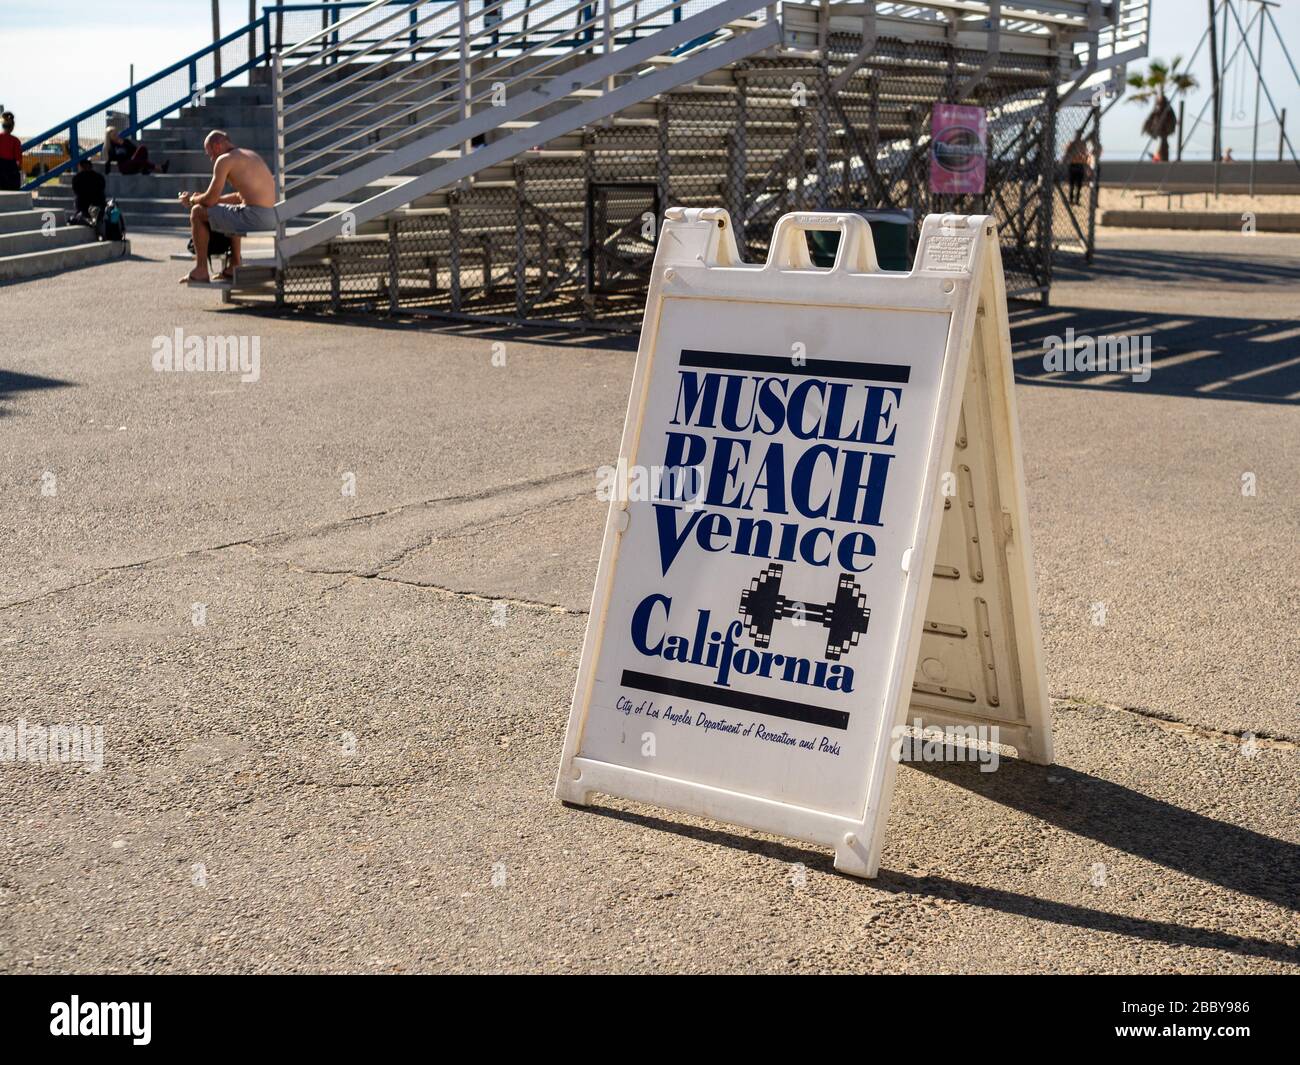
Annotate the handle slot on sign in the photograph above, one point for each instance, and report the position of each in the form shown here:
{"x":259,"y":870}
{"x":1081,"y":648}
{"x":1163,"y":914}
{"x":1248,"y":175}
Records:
{"x":789,"y":250}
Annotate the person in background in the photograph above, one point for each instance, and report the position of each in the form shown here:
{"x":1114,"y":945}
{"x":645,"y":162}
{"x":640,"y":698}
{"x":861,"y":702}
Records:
{"x":87,"y":190}
{"x":249,"y":209}
{"x":130,"y":157}
{"x":11,"y":155}
{"x":1077,"y":158}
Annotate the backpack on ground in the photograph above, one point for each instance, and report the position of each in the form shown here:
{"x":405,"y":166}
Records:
{"x":111,"y":225}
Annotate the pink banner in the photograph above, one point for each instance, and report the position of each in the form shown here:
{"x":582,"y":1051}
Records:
{"x":957,"y":145}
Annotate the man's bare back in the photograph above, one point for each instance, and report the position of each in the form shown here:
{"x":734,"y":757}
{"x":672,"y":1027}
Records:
{"x":248,"y":175}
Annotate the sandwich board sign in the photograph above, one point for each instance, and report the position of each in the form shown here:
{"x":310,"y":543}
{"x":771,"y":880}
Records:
{"x":830,"y":541}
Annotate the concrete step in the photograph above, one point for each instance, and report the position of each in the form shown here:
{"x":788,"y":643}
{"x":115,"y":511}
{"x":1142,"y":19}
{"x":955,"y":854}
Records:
{"x":156,"y":186}
{"x":15,"y":201}
{"x":190,"y":138}
{"x":136,"y":211}
{"x":53,"y":261}
{"x":220,"y":114}
{"x":21,"y":221}
{"x":39,"y":240}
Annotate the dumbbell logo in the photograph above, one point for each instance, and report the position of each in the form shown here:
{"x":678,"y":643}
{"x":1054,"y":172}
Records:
{"x":847,"y":616}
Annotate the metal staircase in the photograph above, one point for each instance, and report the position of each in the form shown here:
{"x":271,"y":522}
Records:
{"x":509,"y":159}
{"x":502,"y":161}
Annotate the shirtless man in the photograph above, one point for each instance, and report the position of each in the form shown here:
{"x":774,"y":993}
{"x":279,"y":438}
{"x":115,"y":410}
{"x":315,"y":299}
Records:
{"x":249,"y":209}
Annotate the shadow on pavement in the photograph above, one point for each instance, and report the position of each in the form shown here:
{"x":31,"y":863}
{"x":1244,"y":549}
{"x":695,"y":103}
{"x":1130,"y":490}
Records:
{"x":1251,"y":359}
{"x":1118,"y":817}
{"x":1166,"y":267}
{"x":1233,"y":857}
{"x":557,"y":335}
{"x":1063,"y":913}
{"x":11,"y":382}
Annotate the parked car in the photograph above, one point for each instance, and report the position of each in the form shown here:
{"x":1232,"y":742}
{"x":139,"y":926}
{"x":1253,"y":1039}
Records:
{"x":44,"y":158}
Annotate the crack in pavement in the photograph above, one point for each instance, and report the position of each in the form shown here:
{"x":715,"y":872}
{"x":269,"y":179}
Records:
{"x":280,"y":536}
{"x":451,"y":593}
{"x":459,"y":532}
{"x":1169,"y":723}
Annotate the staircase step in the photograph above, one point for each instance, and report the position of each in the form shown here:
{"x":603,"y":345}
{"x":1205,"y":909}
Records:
{"x":34,"y":264}
{"x":38,"y":240}
{"x":15,"y":201}
{"x":22,"y":220}
{"x":138,"y":211}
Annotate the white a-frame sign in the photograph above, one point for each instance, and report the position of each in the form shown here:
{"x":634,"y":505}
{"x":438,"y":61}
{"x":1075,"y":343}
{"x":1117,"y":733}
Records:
{"x":819,"y":536}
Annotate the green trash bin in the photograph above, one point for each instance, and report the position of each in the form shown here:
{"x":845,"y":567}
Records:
{"x":891,"y":233}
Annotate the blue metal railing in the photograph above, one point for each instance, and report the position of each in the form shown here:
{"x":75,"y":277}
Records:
{"x":266,"y":37}
{"x":262,"y":45}
{"x":196,"y":88}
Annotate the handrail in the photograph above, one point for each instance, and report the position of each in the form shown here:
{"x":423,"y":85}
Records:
{"x":400,"y":96}
{"x":131,"y":95}
{"x":559,"y":89}
{"x":410,"y":48}
{"x":334,"y":27}
{"x":436,"y":57}
{"x":590,"y":19}
{"x":260,"y":52}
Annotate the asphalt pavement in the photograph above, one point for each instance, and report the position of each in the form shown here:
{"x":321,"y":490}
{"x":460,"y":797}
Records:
{"x":329,"y":621}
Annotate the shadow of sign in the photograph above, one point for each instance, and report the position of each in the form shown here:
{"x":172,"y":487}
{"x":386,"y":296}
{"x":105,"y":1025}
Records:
{"x":1232,"y":857}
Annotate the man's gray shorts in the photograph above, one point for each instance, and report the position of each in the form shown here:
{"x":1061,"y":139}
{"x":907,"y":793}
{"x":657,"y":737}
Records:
{"x":236,"y":219}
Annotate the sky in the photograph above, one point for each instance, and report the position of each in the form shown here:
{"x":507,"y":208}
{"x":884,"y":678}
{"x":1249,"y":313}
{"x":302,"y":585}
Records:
{"x":58,"y":57}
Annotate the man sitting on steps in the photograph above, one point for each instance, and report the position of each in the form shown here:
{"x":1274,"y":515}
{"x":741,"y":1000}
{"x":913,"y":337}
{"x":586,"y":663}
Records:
{"x":249,"y":209}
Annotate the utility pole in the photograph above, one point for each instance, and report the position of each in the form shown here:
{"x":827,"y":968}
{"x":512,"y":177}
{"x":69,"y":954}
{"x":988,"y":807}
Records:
{"x":1259,"y":81}
{"x":216,"y":36}
{"x":1214,"y":91}
{"x":1214,"y":82}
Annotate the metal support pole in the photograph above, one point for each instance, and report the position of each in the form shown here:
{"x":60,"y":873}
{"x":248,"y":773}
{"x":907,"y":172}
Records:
{"x":216,"y":36}
{"x":394,"y":275}
{"x":463,"y":6}
{"x":277,"y":99}
{"x":1096,"y":184}
{"x":739,"y":163}
{"x":1259,"y":81}
{"x":454,"y":214}
{"x":822,"y":134}
{"x":609,"y":42}
{"x":661,"y":153}
{"x":1046,"y":197}
{"x":521,"y":246}
{"x":1214,"y":95}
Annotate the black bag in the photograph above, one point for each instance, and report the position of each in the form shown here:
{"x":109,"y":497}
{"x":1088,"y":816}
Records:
{"x":110,"y":224}
{"x":218,"y":244}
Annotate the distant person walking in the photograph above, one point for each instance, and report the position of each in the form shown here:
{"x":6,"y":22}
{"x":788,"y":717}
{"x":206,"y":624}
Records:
{"x":11,"y":155}
{"x":249,"y":209}
{"x":1077,"y":159}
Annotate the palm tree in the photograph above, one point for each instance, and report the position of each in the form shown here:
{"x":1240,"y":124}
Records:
{"x":1160,"y":86}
